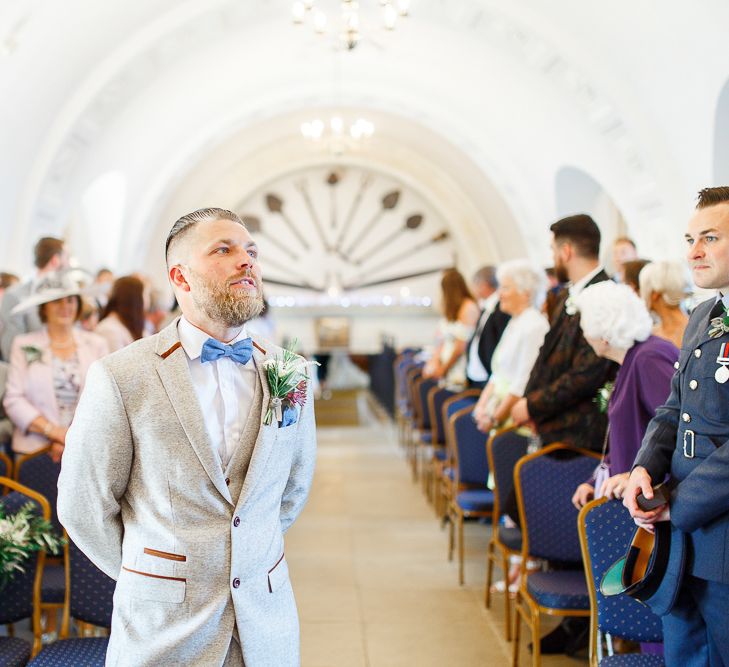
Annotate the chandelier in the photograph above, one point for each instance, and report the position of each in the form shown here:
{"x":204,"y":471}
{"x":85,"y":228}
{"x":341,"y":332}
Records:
{"x":348,"y":24}
{"x":337,"y":134}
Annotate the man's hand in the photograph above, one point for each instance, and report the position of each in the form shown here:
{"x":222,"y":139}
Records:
{"x":583,"y":495}
{"x":640,"y":482}
{"x":614,"y":487}
{"x":664,"y":514}
{"x":520,"y":412}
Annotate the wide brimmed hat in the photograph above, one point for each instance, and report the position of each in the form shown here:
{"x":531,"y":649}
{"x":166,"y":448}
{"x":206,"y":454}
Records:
{"x":57,"y":285}
{"x":652,"y":569}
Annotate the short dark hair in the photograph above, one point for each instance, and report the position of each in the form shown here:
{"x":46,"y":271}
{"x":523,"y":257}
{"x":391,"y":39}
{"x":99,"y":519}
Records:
{"x":44,"y":318}
{"x":45,"y":250}
{"x":486,"y":275}
{"x":713,"y":196}
{"x":581,"y":231}
{"x":187,"y":222}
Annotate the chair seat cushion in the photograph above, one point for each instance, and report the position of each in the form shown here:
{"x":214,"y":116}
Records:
{"x":439,"y":454}
{"x":510,"y":538}
{"x":426,"y":437}
{"x":632,"y":660}
{"x":561,"y":589}
{"x":85,"y":652}
{"x":14,"y":652}
{"x":53,"y":588}
{"x":475,"y":500}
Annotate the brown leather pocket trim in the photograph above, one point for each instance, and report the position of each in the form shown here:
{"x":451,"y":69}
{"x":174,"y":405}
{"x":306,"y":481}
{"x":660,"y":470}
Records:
{"x":153,"y":576}
{"x":165,"y":554}
{"x":278,"y":562}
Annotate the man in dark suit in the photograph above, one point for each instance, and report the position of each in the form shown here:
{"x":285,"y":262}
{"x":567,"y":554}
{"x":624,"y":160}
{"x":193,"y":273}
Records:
{"x":490,"y":326}
{"x":689,"y":438}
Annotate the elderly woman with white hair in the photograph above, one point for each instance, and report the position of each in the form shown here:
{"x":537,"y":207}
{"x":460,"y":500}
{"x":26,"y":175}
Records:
{"x":617,"y":325}
{"x":663,"y":286}
{"x":522,"y":288}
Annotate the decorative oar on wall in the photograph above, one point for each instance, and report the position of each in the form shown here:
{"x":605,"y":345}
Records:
{"x":389,"y":202}
{"x":299,"y":280}
{"x":255,"y":227}
{"x":304,"y":191}
{"x":363,"y":185}
{"x":275,"y":204}
{"x":438,"y":238}
{"x":395,"y":279}
{"x":333,"y":180}
{"x":411,"y":223}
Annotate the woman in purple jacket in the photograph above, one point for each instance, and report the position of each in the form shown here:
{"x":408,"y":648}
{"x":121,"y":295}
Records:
{"x":617,"y":325}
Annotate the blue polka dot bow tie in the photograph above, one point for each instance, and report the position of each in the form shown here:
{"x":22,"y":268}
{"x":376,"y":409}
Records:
{"x":213,"y":349}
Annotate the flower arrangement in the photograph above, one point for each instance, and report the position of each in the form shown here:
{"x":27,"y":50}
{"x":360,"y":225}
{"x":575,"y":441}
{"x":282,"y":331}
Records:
{"x":22,"y":534}
{"x":603,"y":396}
{"x":32,"y":353}
{"x":287,"y":377}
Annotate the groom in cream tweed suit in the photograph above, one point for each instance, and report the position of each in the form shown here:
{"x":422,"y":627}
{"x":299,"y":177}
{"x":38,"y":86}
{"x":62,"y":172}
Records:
{"x":171,"y":483}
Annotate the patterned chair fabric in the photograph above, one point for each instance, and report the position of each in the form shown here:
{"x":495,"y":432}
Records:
{"x":547,"y":486}
{"x":559,"y":589}
{"x":40,"y":473}
{"x":14,"y":652}
{"x":92,"y":592}
{"x":461,"y":403}
{"x":16,"y":599}
{"x":632,"y":660}
{"x":4,"y":468}
{"x":86,"y":652}
{"x":506,"y":450}
{"x":437,"y":397}
{"x":608,"y":529}
{"x":473,"y":467}
{"x":53,"y":584}
{"x":423,"y":387}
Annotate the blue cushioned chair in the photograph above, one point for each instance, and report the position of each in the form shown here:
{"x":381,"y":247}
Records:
{"x":433,"y":468}
{"x":403,"y":407}
{"x":19,"y":599}
{"x":90,"y":603}
{"x":471,"y":497}
{"x":504,"y":449}
{"x":544,"y":483}
{"x":6,"y":465}
{"x":423,"y":434}
{"x":412,"y":376}
{"x":606,"y":529}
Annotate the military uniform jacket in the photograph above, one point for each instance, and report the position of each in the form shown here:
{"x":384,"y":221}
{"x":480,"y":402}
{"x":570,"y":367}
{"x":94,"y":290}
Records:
{"x":565,"y":380}
{"x":197,"y":551}
{"x":689,"y":438}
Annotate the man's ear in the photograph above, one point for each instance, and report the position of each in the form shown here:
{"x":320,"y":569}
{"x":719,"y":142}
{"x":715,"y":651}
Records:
{"x":178,"y":279}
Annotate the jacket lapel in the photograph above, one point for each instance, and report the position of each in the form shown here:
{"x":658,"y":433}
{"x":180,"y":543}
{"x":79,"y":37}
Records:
{"x":175,"y":375}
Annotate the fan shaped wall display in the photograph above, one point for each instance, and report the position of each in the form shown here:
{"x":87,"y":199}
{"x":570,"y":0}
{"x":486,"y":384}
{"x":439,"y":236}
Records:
{"x":346,"y":229}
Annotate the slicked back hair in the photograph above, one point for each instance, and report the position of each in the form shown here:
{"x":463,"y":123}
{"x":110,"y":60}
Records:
{"x":487,"y":276}
{"x":713,"y":196}
{"x":580,"y":231}
{"x":202,"y":215}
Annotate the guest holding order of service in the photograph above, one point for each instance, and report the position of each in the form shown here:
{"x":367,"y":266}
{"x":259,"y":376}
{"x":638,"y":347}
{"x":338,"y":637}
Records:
{"x":617,"y":325}
{"x":522,"y":288}
{"x":48,"y":367}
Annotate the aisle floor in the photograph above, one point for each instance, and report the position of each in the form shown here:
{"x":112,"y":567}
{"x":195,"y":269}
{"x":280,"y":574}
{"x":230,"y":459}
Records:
{"x":368,"y":564}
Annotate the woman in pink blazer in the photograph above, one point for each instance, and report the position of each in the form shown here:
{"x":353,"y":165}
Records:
{"x":48,"y":368}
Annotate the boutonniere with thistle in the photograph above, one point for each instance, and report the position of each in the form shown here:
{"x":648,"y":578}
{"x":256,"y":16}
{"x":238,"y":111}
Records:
{"x":287,"y":378}
{"x":21,"y":535}
{"x":603,"y":396}
{"x":32,"y":353}
{"x":718,"y":326}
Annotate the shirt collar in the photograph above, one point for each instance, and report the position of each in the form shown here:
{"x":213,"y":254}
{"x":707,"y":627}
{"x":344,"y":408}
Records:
{"x":192,"y":338}
{"x":577,"y":287}
{"x":724,"y":299}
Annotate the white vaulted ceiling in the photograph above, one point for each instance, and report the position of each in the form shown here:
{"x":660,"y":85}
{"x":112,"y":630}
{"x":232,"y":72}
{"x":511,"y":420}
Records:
{"x":117,"y":117}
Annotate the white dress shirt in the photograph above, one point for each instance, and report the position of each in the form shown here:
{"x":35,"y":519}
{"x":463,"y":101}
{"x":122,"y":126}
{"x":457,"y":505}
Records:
{"x":576,"y":288}
{"x":224,"y":389}
{"x":475,"y":370}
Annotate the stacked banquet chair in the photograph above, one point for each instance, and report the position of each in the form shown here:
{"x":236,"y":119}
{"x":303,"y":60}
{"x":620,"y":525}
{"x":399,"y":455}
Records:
{"x":433,"y":464}
{"x":412,"y":377}
{"x":17,"y":599}
{"x":422,"y":435}
{"x":470,"y":496}
{"x":38,"y":471}
{"x":606,"y":529}
{"x":403,"y":406}
{"x":545,"y":482}
{"x":89,"y":602}
{"x":504,"y":449}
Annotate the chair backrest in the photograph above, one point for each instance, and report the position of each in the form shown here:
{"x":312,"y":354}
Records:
{"x":504,"y":449}
{"x":39,"y":472}
{"x":472,"y":467}
{"x":423,"y":386}
{"x":605,"y":532}
{"x":6,"y":465}
{"x":92,"y":592}
{"x":437,"y":396}
{"x":545,"y":483}
{"x":21,"y":596}
{"x":403,"y":363}
{"x":412,"y":375}
{"x":451,"y":406}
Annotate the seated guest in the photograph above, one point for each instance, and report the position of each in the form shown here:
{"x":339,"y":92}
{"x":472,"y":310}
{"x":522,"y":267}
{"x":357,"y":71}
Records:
{"x":522,"y":289}
{"x":663,"y":286}
{"x":48,"y":367}
{"x":454,"y":331}
{"x":617,"y":325}
{"x":123,"y":319}
{"x":631,"y":271}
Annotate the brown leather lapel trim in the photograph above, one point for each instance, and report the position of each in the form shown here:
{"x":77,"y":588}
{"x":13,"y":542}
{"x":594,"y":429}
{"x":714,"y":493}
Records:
{"x":167,"y":353}
{"x":259,"y":348}
{"x":153,"y":576}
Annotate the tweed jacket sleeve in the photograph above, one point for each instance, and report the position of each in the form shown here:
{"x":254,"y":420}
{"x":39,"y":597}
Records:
{"x":95,"y":471}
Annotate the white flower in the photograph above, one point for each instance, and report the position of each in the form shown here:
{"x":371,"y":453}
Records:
{"x":570,"y":306}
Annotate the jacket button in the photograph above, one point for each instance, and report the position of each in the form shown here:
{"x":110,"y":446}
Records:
{"x":686,"y":417}
{"x":236,"y":521}
{"x":676,"y":365}
{"x":697,"y":353}
{"x":227,"y":481}
{"x":236,"y":582}
{"x":693,"y":384}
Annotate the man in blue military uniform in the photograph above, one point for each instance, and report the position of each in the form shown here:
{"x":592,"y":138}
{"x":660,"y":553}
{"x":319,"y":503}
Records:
{"x":689,"y":438}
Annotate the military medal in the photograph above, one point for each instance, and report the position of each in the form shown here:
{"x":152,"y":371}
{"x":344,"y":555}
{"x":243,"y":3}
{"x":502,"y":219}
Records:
{"x":722,"y":373}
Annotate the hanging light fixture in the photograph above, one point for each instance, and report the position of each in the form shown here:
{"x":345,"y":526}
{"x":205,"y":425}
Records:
{"x":338,"y":135}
